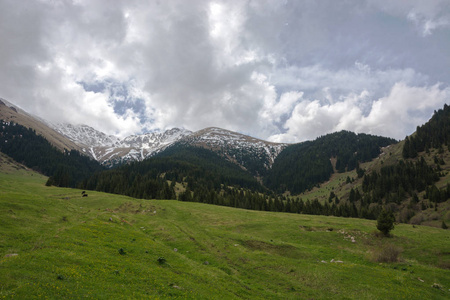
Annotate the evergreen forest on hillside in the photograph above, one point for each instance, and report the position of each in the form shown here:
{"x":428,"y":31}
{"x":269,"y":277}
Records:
{"x":302,"y":166}
{"x":434,"y":134}
{"x":199,"y":168}
{"x":25,"y":146}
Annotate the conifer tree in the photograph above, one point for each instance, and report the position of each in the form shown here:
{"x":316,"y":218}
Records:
{"x":385,"y":222}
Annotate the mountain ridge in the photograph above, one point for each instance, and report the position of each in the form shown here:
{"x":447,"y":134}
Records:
{"x":110,"y":150}
{"x":12,"y":113}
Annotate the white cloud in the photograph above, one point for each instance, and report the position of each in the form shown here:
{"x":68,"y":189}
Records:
{"x":394,"y":115}
{"x":403,"y":109}
{"x":265,"y":68}
{"x":311,"y":119}
{"x":426,"y":25}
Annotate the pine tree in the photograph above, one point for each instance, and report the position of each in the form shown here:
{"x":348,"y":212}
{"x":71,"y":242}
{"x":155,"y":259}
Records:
{"x":385,"y":222}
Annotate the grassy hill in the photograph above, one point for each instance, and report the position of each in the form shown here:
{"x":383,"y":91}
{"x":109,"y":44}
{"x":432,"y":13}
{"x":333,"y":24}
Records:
{"x":56,"y":244}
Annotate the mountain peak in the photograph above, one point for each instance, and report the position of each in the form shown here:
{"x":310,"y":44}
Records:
{"x":239,"y":148}
{"x":85,"y":135}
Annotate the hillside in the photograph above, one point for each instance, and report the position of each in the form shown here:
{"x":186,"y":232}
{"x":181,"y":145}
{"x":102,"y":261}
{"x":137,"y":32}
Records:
{"x":11,"y":113}
{"x":65,"y":168}
{"x":57,"y":244}
{"x":302,"y":166}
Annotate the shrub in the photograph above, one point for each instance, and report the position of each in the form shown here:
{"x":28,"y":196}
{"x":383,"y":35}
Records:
{"x":161,"y":260}
{"x":122,"y":251}
{"x":387,"y":254}
{"x":444,"y":226}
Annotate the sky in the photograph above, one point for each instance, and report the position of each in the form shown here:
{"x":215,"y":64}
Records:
{"x":283,"y":71}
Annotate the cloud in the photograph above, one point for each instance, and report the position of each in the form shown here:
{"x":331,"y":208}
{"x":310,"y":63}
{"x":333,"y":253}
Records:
{"x":258,"y":67}
{"x":403,"y":109}
{"x":427,"y":26}
{"x":427,"y":16}
{"x":394,"y":115}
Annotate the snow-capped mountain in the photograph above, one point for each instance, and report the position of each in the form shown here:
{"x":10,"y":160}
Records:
{"x":253,"y":154}
{"x":250,"y":153}
{"x":85,"y":135}
{"x":155,"y":140}
{"x":110,"y":150}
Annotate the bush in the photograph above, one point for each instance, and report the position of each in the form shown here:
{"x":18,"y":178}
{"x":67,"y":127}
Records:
{"x":388,"y":254}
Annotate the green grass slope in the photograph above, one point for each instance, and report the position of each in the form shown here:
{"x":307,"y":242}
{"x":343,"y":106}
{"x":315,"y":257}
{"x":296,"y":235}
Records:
{"x":55,"y":244}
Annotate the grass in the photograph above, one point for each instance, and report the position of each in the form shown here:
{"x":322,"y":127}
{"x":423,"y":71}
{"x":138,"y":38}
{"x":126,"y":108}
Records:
{"x":55,"y":244}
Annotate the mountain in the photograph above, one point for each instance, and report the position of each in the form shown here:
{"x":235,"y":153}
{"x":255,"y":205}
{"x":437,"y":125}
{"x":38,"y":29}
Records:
{"x":252,"y":154}
{"x":434,"y":134}
{"x":65,"y":168}
{"x":11,"y":113}
{"x":85,"y":136}
{"x":110,"y":150}
{"x":200,"y":170}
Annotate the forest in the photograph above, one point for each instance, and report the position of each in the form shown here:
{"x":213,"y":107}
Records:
{"x":302,"y":166}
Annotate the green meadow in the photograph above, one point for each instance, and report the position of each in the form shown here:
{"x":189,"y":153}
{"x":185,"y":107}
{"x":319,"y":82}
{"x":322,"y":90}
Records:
{"x":55,"y":244}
